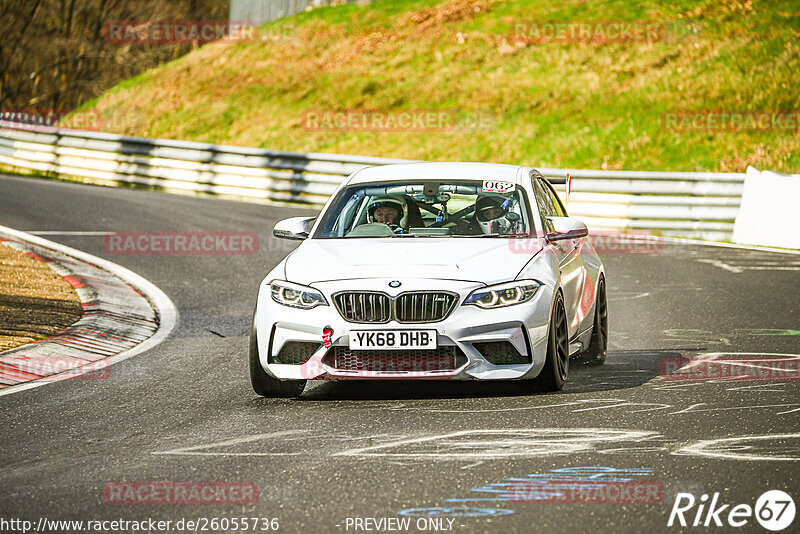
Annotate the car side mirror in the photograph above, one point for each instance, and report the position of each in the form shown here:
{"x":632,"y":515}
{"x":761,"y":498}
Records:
{"x":293,"y":228}
{"x":566,"y":228}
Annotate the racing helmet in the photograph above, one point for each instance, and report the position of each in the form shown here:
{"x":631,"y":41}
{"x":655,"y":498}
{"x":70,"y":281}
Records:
{"x":490,"y":213}
{"x":398,"y":203}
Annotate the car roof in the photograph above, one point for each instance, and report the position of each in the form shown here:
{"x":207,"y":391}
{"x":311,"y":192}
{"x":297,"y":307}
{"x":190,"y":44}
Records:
{"x":440,"y":171}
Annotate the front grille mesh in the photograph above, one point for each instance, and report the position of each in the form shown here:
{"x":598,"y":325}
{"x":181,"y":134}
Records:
{"x":439,"y":359}
{"x":364,"y":307}
{"x":295,"y":352}
{"x":414,"y":307}
{"x":501,"y":353}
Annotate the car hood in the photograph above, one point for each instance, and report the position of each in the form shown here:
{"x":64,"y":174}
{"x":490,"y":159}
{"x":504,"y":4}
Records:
{"x":486,"y":260}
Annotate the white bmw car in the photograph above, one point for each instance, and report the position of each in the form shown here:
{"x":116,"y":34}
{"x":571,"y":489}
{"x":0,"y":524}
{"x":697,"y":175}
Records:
{"x":431,"y":271}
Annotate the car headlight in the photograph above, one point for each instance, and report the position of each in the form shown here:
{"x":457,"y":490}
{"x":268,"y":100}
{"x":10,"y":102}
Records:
{"x":295,"y":295}
{"x":502,"y":295}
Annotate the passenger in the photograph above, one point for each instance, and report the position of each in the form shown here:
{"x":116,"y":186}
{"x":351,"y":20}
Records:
{"x":490,"y":215}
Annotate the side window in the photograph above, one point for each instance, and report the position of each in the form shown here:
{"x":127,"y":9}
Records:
{"x":545,"y":205}
{"x":557,"y":205}
{"x":551,"y":205}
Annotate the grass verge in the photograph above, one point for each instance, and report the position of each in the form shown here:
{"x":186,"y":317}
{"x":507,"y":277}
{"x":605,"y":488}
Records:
{"x":35,"y":302}
{"x":600,"y":103}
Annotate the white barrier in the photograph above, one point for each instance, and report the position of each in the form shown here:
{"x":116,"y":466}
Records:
{"x":689,"y":204}
{"x":769,"y":214}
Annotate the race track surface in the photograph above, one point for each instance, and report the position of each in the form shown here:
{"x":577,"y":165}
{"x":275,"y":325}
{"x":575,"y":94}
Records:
{"x":184,"y":411}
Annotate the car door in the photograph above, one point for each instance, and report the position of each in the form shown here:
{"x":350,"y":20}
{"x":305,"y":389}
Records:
{"x":570,"y":262}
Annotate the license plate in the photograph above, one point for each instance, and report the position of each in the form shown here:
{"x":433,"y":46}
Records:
{"x":392,"y":339}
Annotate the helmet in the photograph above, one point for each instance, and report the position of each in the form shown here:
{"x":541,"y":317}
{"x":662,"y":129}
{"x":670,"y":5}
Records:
{"x":490,"y":212}
{"x":398,"y":203}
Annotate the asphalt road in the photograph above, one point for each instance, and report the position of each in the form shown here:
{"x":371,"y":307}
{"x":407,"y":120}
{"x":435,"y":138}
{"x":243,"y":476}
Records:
{"x":185,"y":411}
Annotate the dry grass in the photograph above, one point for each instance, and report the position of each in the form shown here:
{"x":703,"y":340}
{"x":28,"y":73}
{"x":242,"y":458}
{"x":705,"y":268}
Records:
{"x":35,"y":302}
{"x":585,"y":105}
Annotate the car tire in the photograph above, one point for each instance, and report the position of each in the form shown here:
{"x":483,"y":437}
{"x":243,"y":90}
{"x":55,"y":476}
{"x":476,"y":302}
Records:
{"x":264,"y":384}
{"x":596,"y":352}
{"x":556,"y":367}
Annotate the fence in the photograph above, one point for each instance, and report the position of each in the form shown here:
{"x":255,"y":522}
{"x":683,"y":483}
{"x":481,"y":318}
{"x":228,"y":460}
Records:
{"x":261,"y":11}
{"x":688,"y":204}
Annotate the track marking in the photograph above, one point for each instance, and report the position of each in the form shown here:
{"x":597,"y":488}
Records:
{"x":677,"y":387}
{"x":631,"y":297}
{"x":721,"y":265}
{"x":602,"y":407}
{"x":521,"y":408}
{"x":687,"y":409}
{"x":633,"y":450}
{"x":663,"y":407}
{"x":759,"y":388}
{"x":762,"y":266}
{"x":733,"y":408}
{"x":688,"y":241}
{"x":499,"y":444}
{"x":470,"y":466}
{"x":60,"y":232}
{"x":773,"y":268}
{"x":193,"y":451}
{"x":739,"y":449}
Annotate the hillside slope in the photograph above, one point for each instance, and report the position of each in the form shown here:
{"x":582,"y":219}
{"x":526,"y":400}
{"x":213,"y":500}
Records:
{"x":507,"y":91}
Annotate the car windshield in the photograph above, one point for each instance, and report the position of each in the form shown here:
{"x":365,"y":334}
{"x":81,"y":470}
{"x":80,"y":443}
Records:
{"x":468,"y":208}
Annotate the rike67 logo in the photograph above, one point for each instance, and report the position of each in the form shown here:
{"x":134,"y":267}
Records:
{"x":774,"y":510}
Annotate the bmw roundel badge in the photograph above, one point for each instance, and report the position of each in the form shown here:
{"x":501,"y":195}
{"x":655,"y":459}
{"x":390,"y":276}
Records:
{"x":395,"y":283}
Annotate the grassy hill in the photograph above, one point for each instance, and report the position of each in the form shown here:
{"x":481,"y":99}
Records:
{"x":514,"y":99}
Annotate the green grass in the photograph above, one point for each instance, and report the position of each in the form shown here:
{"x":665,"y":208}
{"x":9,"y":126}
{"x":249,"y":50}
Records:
{"x":584,"y":105}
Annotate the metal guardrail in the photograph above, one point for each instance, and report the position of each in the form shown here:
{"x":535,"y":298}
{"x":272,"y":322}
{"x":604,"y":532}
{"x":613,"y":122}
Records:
{"x":261,"y":11}
{"x":691,"y":204}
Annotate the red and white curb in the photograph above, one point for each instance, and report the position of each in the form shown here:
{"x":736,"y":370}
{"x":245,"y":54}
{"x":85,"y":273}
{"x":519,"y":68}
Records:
{"x":123,"y":315}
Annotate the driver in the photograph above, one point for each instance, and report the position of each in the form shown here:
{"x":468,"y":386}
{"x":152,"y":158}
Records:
{"x":490,"y":214}
{"x":391,"y":211}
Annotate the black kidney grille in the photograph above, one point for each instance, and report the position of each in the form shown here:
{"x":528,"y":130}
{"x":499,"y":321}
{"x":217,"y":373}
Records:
{"x":424,"y":306}
{"x":362,"y":307}
{"x":414,"y":307}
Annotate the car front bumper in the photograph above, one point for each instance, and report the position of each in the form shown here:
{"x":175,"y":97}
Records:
{"x":522,"y":325}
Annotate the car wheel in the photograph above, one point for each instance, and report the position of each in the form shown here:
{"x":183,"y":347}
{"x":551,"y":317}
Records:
{"x":556,"y":367}
{"x":597,"y":350}
{"x":264,"y":384}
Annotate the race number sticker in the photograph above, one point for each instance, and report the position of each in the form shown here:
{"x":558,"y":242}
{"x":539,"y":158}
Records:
{"x":497,"y":186}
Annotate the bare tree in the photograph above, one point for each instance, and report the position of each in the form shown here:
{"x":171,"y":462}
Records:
{"x":54,"y":54}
